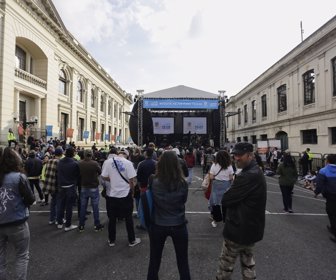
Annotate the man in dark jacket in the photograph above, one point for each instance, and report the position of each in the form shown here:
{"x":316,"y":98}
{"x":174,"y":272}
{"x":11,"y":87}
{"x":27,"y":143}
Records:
{"x":245,"y":202}
{"x":67,"y":179}
{"x":33,"y":168}
{"x":326,"y":184}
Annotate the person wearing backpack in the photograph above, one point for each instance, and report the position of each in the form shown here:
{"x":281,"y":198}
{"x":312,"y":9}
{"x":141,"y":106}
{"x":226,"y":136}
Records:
{"x":170,"y":192}
{"x":190,"y":161}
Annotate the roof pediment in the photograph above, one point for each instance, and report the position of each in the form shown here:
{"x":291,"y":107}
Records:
{"x":181,"y":92}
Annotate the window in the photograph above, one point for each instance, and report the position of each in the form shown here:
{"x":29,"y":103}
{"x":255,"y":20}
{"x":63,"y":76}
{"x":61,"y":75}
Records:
{"x":62,"y":82}
{"x":93,"y":98}
{"x":309,"y":136}
{"x":282,"y":98}
{"x":115,"y":110}
{"x":245,"y":114}
{"x":120,"y":112}
{"x":245,"y":138}
{"x":80,"y":93}
{"x":80,"y":129}
{"x":333,"y":62}
{"x":238,"y":139}
{"x":93,"y":131}
{"x":20,"y":56}
{"x":102,"y":103}
{"x":309,"y":87}
{"x":109,"y":107}
{"x":263,"y":137}
{"x":264,"y":106}
{"x":333,"y":135}
{"x":239,"y":116}
{"x":102,"y":135}
{"x":254,"y":139}
{"x":254,"y":111}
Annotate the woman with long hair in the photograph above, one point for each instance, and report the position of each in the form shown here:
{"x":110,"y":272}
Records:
{"x":288,"y":176}
{"x":170,"y":192}
{"x":221,"y":174}
{"x":15,"y":197}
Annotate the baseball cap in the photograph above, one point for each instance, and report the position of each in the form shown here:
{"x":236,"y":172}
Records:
{"x":242,"y":148}
{"x":124,"y":151}
{"x":58,"y":151}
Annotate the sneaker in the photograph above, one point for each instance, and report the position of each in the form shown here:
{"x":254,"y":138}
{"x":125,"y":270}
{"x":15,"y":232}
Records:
{"x":59,"y":226}
{"x":214,"y":224}
{"x":81,"y":228}
{"x":52,"y":222}
{"x":135,"y":242}
{"x":98,"y":227}
{"x":71,"y":227}
{"x":290,"y":211}
{"x":110,"y":243}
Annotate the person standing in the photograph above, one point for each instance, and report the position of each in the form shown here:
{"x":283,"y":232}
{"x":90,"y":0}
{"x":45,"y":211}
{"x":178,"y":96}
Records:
{"x":67,"y":180}
{"x":33,"y":167}
{"x":310,"y":159}
{"x":190,"y":161}
{"x":288,"y":176}
{"x":170,"y":192}
{"x":245,"y":204}
{"x":221,"y":174}
{"x":89,"y":172}
{"x":326,"y":184}
{"x":276,"y":158}
{"x":15,"y":197}
{"x":304,"y":160}
{"x":121,"y":177}
{"x":11,"y":137}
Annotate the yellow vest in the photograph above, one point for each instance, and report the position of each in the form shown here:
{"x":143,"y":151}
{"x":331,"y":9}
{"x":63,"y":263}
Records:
{"x":310,"y":155}
{"x":11,"y":136}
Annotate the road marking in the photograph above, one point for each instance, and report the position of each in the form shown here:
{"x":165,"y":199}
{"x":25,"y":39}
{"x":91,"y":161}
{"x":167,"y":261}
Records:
{"x":302,"y":196}
{"x":208,"y":213}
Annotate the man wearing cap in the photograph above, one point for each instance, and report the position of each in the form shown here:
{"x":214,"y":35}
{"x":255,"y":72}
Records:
{"x":51,"y":182}
{"x":121,"y":176}
{"x":244,"y":225}
{"x":89,"y":172}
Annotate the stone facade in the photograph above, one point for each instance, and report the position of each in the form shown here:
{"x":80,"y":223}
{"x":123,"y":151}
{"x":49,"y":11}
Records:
{"x":294,"y":100}
{"x":48,"y":77}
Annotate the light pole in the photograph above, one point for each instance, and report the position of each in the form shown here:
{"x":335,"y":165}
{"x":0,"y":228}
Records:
{"x":222,"y":135}
{"x":140,"y":118}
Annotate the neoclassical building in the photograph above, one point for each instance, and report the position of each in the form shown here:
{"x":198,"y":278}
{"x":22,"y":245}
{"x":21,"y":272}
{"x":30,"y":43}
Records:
{"x":294,"y":100}
{"x":48,"y":79}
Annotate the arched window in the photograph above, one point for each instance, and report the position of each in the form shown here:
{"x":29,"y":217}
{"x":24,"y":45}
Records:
{"x":62,"y":82}
{"x":20,"y":56}
{"x":80,"y":93}
{"x":93,"y":97}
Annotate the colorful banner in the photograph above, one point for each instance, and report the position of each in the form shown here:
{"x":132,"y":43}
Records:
{"x":86,"y":134}
{"x":49,"y":130}
{"x":97,"y":135}
{"x":69,"y":132}
{"x":107,"y":137}
{"x":163,"y":125}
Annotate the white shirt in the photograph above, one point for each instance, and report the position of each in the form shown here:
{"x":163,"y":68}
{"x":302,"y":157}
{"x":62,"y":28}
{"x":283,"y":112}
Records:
{"x":224,"y":175}
{"x":118,"y":187}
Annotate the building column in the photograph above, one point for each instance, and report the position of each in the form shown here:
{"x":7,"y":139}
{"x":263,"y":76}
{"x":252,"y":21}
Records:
{"x":38,"y":111}
{"x":112,"y":119}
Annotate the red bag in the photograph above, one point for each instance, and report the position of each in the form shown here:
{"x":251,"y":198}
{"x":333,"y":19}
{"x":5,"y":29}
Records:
{"x":207,"y":192}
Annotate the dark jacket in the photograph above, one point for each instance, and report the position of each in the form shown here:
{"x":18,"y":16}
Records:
{"x":67,"y":172}
{"x":33,"y":167}
{"x":169,"y":206}
{"x":145,"y":169}
{"x":288,"y":175}
{"x":245,"y":202}
{"x":89,"y":172}
{"x":184,"y":167}
{"x":16,"y":196}
{"x":326,"y":182}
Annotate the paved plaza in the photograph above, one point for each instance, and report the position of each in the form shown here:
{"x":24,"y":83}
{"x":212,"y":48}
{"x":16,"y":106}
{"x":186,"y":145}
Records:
{"x":295,"y":246}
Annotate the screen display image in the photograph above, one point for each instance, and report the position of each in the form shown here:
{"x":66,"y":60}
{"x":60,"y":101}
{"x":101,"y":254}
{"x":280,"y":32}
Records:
{"x":194,"y":125}
{"x":163,"y":125}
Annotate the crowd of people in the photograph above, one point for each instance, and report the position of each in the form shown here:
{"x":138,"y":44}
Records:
{"x":66,"y":176}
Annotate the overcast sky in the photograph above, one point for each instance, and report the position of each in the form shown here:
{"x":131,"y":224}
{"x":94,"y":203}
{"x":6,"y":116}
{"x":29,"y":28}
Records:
{"x":205,"y":44}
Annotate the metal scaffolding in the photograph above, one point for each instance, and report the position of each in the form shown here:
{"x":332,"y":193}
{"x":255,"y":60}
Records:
{"x":222,"y":132}
{"x":140,"y":117}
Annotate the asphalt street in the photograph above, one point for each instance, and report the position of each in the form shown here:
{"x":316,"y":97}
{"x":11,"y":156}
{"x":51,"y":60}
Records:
{"x":295,"y":246}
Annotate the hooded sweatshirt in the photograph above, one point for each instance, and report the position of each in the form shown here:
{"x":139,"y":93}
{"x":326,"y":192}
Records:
{"x":326,"y":181}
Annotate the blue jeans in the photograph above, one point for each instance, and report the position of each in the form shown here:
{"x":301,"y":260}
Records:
{"x":53,"y":207}
{"x":19,"y":236}
{"x":66,"y":198}
{"x":157,"y":237}
{"x":85,"y":194}
{"x":190,"y":170}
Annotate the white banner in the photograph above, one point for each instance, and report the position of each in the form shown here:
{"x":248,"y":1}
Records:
{"x":194,"y":125}
{"x":163,"y":125}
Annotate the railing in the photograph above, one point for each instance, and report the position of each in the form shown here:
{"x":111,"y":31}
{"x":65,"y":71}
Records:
{"x":30,"y":78}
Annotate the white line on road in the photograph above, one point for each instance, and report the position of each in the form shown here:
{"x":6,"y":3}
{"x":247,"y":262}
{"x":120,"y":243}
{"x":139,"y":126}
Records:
{"x":302,"y":196}
{"x":208,"y":213}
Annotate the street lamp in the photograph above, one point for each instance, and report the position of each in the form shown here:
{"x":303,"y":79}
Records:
{"x":222,"y":101}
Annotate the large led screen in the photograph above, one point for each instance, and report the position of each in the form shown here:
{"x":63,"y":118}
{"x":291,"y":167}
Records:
{"x":194,"y":125}
{"x":163,"y":125}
